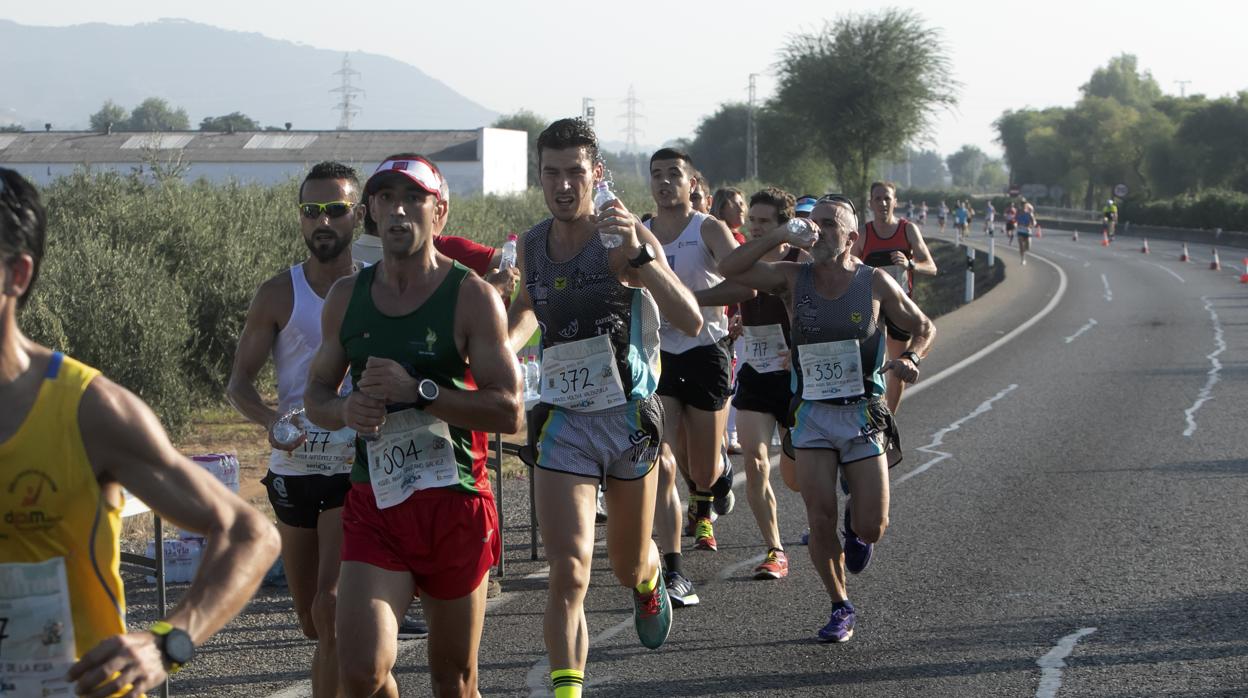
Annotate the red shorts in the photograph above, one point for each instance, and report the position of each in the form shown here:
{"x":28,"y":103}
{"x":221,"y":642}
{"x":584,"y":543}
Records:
{"x":447,"y":540}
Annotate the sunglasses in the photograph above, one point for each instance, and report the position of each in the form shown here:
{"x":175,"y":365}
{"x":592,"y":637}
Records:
{"x":334,"y":209}
{"x":839,"y":199}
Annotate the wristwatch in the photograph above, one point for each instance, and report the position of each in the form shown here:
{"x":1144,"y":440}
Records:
{"x":910,"y":264}
{"x":175,"y":645}
{"x":644,"y":257}
{"x":426,"y":392}
{"x":914,"y":358}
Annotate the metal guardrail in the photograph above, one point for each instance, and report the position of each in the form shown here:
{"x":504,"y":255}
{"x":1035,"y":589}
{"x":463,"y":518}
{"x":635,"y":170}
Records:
{"x":1068,"y":214}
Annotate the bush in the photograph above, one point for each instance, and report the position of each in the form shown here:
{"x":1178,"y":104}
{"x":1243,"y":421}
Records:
{"x":1206,"y":210}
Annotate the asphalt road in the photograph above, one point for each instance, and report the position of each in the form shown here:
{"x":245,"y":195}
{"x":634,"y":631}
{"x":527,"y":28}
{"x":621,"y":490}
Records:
{"x":1070,"y":519}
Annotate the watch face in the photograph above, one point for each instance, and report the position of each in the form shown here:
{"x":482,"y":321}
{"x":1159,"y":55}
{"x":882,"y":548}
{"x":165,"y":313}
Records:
{"x":428,"y":389}
{"x":178,"y":647}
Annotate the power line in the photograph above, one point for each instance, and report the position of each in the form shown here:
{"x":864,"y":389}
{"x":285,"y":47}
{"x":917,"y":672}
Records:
{"x":631,"y":116}
{"x":348,"y":108}
{"x":1183,"y":87}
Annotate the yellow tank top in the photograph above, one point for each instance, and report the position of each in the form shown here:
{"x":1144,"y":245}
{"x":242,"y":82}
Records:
{"x":51,"y":505}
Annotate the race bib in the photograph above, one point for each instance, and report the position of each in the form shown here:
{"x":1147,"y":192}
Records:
{"x":323,"y":453}
{"x":762,"y":345}
{"x":413,"y":452}
{"x":36,"y":629}
{"x":581,"y":375}
{"x":831,"y":370}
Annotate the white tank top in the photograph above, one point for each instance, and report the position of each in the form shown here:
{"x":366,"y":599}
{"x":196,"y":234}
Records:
{"x":296,"y":344}
{"x":688,"y":256}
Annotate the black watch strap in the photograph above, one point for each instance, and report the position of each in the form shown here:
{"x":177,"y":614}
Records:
{"x":914,"y":358}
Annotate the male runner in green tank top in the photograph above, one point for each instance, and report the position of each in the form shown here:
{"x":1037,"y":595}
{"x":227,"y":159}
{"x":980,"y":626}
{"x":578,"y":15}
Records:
{"x":420,"y":518}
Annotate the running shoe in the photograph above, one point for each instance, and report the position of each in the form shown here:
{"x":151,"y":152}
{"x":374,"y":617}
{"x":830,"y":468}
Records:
{"x":413,"y":627}
{"x":600,"y":511}
{"x":652,"y":614}
{"x":840,"y":626}
{"x":776,"y":566}
{"x":857,"y":551}
{"x":680,"y":590}
{"x":723,"y":505}
{"x":806,"y":537}
{"x":704,"y":536}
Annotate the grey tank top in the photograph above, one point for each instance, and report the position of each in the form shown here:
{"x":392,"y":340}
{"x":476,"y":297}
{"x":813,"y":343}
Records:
{"x":818,"y":319}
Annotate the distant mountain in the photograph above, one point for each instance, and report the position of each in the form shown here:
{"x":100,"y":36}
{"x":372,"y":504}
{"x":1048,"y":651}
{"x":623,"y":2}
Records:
{"x":62,"y":75}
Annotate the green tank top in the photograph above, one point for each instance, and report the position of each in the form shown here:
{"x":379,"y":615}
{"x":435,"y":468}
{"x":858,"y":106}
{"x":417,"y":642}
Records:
{"x":422,"y":341}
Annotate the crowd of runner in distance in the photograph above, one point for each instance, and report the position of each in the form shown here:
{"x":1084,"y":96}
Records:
{"x":394,"y":349}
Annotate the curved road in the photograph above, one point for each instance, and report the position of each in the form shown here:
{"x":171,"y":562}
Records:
{"x":1069,"y":519}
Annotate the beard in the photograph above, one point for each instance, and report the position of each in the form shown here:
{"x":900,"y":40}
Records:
{"x":323,"y":251}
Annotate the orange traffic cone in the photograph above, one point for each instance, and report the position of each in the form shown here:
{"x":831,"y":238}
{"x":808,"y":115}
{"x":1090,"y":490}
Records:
{"x":1075,"y":236}
{"x":1243,"y":278}
{"x":1185,"y":257}
{"x":1039,"y":231}
{"x":1104,"y":239}
{"x":1145,"y":248}
{"x":1216,"y":264}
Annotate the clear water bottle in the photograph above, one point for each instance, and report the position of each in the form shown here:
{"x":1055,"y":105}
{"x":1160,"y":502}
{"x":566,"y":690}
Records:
{"x":603,"y":196}
{"x":802,"y":232}
{"x":508,"y":258}
{"x":290,"y":428}
{"x":533,"y":379}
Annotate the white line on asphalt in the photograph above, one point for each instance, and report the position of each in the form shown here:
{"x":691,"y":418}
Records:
{"x":1109,"y":295}
{"x":1052,"y":663}
{"x":1085,"y":328}
{"x":1063,"y":254}
{"x":1169,"y":271}
{"x":939,"y":438}
{"x":1206,"y":393}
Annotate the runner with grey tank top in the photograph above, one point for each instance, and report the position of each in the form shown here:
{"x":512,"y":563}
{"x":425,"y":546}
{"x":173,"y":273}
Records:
{"x":840,"y":421}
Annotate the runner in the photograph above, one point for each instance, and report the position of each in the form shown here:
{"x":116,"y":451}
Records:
{"x":407,"y":328}
{"x":763,"y":393}
{"x":70,"y":441}
{"x":1109,"y":216}
{"x":595,"y":301}
{"x":923,"y":214}
{"x":838,"y":366}
{"x":941,"y":215}
{"x":700,"y":198}
{"x":990,"y":220}
{"x":1026,"y":219}
{"x":308,"y":478}
{"x":804,"y":205}
{"x":697,"y":379}
{"x":1011,"y":221}
{"x":909,"y":210}
{"x":902,"y":253}
{"x":961,"y":219}
{"x":728,"y":205}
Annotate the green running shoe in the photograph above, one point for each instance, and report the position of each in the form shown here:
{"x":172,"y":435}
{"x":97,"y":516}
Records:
{"x":652,"y":614}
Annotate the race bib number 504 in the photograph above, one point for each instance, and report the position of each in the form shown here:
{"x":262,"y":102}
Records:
{"x":413,"y":452}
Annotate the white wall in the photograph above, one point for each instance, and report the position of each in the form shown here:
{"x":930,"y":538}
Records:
{"x":504,"y":160}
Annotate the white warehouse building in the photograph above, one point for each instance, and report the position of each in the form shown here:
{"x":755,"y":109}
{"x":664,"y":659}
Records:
{"x":478,"y":161}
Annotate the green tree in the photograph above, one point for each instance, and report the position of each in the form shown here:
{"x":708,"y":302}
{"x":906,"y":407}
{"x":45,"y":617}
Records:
{"x":865,"y":86}
{"x":992,"y":176}
{"x":1216,"y":137}
{"x":532,"y":124}
{"x":111,"y":114}
{"x":155,"y":114}
{"x":718,"y":148}
{"x":966,"y":165}
{"x":1123,"y":81}
{"x":235,"y":121}
{"x":12,"y":128}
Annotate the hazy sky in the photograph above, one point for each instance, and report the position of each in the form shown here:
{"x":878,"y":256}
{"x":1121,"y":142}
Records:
{"x":684,"y":59}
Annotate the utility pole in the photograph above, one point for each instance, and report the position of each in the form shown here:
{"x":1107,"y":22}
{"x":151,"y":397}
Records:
{"x":348,"y":108}
{"x":631,"y":131}
{"x":587,"y":110}
{"x":751,"y":133}
{"x":1183,"y":87}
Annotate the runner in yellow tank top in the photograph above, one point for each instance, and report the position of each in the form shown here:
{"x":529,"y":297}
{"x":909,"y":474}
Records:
{"x":70,"y":439}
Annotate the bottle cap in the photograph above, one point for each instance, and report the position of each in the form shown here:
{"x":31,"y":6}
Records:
{"x":511,"y":236}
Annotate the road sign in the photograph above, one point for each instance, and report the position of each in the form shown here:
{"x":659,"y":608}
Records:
{"x":1120,"y":190}
{"x":1056,"y":192}
{"x":1014,"y":190}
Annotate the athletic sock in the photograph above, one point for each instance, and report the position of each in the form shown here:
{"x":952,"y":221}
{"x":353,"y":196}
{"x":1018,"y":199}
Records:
{"x":723,"y":484}
{"x":671,"y":562}
{"x":702,"y":501}
{"x":843,"y":604}
{"x":567,"y":682}
{"x":648,"y":586}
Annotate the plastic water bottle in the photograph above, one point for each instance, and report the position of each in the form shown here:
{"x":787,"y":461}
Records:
{"x":508,"y":259}
{"x":603,"y":196}
{"x":802,"y":232}
{"x":533,"y":379}
{"x":290,"y":427}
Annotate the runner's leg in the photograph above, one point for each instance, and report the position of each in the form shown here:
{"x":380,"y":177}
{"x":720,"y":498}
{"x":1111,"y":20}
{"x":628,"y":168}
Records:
{"x":454,"y":638}
{"x":816,"y":476}
{"x":868,"y":497}
{"x":370,"y":600}
{"x":325,"y":605}
{"x":634,"y":556}
{"x":300,"y":561}
{"x":667,"y":507}
{"x":565,"y":511}
{"x":754,"y":429}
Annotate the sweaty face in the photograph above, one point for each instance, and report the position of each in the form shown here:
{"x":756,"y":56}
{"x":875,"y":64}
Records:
{"x":568,"y":178}
{"x":762,"y":218}
{"x":734,"y":211}
{"x":700,"y":200}
{"x":838,"y":228}
{"x":327,"y":237}
{"x":406,"y":216}
{"x":669,"y":182}
{"x":883,"y":201}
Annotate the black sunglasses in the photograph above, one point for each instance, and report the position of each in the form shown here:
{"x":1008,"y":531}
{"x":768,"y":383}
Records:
{"x":839,"y":199}
{"x":333,"y":209}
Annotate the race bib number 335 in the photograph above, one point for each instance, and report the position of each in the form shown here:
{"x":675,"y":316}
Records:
{"x":831,"y":370}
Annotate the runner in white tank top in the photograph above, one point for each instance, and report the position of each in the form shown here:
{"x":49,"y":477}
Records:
{"x":307,"y":484}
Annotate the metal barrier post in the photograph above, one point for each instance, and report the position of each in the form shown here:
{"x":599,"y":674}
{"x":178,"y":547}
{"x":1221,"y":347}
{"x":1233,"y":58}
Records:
{"x":992,"y":253}
{"x":970,"y":273}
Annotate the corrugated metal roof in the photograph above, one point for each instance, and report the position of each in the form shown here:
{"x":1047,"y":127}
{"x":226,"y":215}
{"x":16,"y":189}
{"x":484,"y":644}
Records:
{"x":157,"y":141}
{"x":6,"y":140}
{"x":72,"y":147}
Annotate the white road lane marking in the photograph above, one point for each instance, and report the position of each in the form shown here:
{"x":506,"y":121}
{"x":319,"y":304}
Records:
{"x":1085,"y":328}
{"x":1206,"y":393}
{"x":1052,"y":663}
{"x":938,"y":439}
{"x":1109,"y":295}
{"x":1169,"y":271}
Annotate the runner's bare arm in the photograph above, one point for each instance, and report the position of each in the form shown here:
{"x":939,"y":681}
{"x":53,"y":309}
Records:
{"x":904,"y":313}
{"x":126,"y":444}
{"x":676,"y":302}
{"x":329,"y":368}
{"x":923,"y":262}
{"x":724,"y":293}
{"x":745,"y":264}
{"x":255,"y":345}
{"x":521,"y":321}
